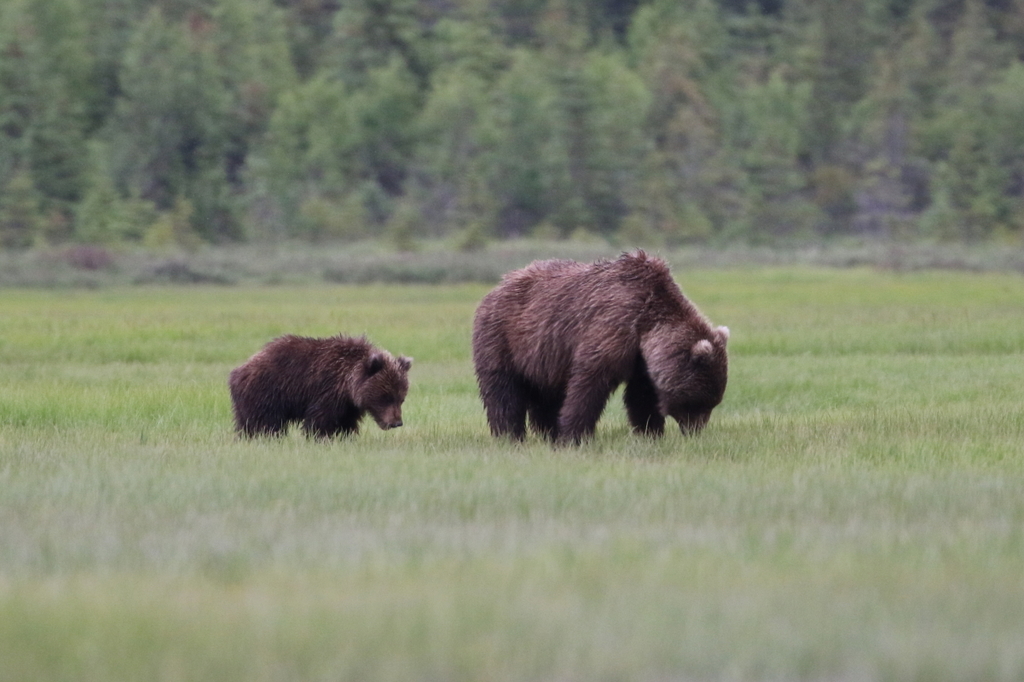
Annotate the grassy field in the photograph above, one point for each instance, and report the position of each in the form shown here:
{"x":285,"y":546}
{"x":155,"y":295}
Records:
{"x":855,"y":510}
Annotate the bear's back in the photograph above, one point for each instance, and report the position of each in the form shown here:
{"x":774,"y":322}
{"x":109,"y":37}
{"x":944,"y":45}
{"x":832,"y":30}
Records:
{"x":558,"y":294}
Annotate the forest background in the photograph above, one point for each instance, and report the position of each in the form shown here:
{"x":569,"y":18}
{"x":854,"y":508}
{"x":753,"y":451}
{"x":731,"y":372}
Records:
{"x":673,"y":122}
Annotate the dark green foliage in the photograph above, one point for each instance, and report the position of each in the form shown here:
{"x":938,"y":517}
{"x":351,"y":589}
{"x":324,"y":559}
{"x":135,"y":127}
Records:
{"x":169,"y":133}
{"x":44,"y":64}
{"x":662,"y":122}
{"x":20,"y":218}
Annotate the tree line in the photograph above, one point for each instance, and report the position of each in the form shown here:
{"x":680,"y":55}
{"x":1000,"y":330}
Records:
{"x":671,"y":121}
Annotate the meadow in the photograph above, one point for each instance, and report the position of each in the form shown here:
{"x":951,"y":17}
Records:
{"x":854,"y":511}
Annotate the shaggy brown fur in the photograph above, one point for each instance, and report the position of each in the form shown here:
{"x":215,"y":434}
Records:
{"x":554,"y":339}
{"x":327,"y":384}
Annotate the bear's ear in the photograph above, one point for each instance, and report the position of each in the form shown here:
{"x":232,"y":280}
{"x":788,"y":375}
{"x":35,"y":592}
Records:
{"x":702,"y":350}
{"x":374,"y":364}
{"x":722,"y":333}
{"x":404,"y":362}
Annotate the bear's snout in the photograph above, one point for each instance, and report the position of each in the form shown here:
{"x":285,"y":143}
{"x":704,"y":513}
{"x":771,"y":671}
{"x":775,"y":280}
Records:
{"x":390,"y":422}
{"x":390,"y":418}
{"x":693,"y":422}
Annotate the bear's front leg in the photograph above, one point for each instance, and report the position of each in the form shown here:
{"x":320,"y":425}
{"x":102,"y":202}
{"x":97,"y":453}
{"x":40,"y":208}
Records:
{"x":585,"y":399}
{"x":323,"y":421}
{"x":255,"y":423}
{"x":642,"y":404}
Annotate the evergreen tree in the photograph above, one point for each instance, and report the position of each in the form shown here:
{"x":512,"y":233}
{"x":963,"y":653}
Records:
{"x":42,"y":104}
{"x":525,"y":169}
{"x":687,"y":190}
{"x":169,"y":133}
{"x":838,"y":81}
{"x":452,"y":155}
{"x":962,"y":136}
{"x":103,"y":215}
{"x":20,"y":217}
{"x":307,"y":153}
{"x":309,"y":27}
{"x":372,"y":34}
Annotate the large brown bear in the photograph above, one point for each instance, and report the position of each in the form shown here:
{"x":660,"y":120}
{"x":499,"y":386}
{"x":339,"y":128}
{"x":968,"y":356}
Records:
{"x":554,"y":339}
{"x":327,"y":384}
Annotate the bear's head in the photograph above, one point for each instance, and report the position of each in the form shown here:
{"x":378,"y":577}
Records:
{"x":689,"y":367}
{"x":383,"y":386}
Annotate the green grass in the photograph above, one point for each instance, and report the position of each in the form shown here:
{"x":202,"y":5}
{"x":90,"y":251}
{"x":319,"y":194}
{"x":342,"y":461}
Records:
{"x":855,"y":510}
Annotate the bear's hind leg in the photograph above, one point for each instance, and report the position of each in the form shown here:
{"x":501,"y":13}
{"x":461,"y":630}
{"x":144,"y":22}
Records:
{"x":642,"y":403}
{"x":504,"y":400}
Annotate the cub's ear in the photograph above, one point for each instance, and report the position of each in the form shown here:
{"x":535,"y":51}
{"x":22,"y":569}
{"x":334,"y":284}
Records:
{"x":702,"y":350}
{"x":374,"y":364}
{"x":722,"y":333}
{"x":404,"y":362}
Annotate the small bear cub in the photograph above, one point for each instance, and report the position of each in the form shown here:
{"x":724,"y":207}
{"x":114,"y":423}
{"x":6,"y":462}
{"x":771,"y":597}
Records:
{"x":326,"y":384}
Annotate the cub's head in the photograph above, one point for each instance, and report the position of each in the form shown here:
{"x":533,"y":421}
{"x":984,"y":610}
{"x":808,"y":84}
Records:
{"x":383,"y":386}
{"x":689,"y":369}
